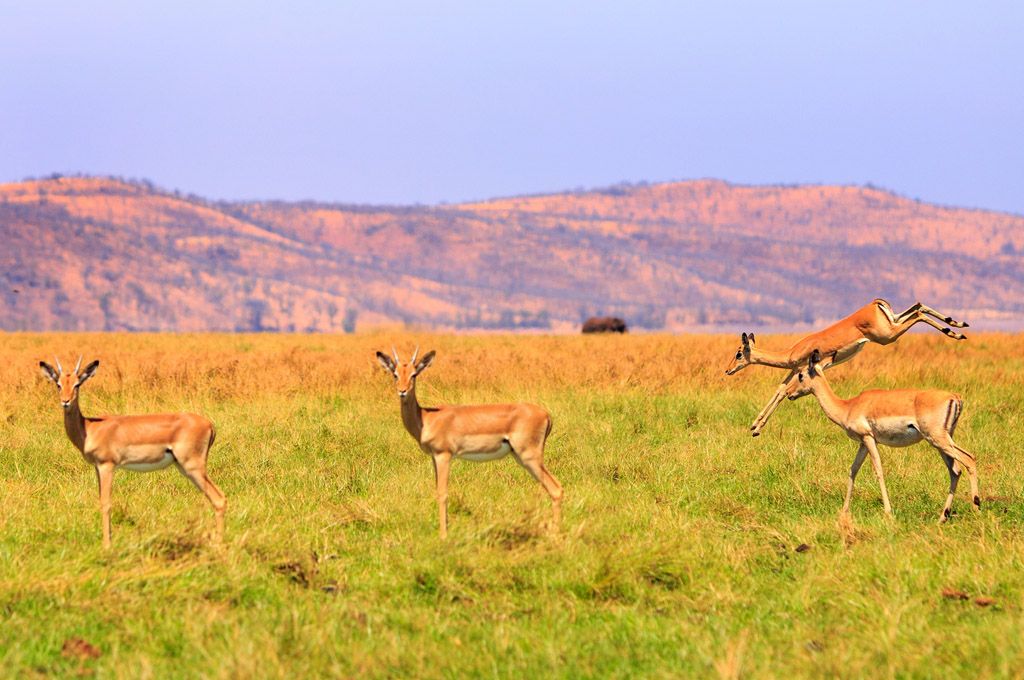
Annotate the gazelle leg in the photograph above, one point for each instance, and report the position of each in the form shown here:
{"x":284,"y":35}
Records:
{"x":904,"y":324}
{"x":769,"y":408}
{"x":196,"y":473}
{"x":862,"y":453}
{"x":962,"y":460}
{"x":876,"y":463}
{"x":442,"y":467}
{"x":910,"y":311}
{"x":534,"y":464}
{"x":954,"y":479}
{"x":945,"y":329}
{"x":925,"y":309}
{"x":105,"y":478}
{"x":968,"y":461}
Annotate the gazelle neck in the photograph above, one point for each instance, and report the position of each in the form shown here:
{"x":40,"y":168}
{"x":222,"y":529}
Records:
{"x":767,"y":357}
{"x":74,"y":424}
{"x":835,"y":408}
{"x":412,"y":414}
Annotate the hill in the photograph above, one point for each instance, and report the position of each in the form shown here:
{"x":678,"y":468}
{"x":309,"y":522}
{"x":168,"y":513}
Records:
{"x":89,"y":253}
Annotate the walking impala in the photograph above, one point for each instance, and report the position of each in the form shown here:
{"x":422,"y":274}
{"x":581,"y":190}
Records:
{"x":893,"y":418}
{"x":839,"y":342}
{"x":475,"y":433}
{"x":138,"y":443}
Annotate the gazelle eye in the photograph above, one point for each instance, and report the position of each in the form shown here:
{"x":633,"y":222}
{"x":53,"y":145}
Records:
{"x":801,"y":377}
{"x":739,"y":355}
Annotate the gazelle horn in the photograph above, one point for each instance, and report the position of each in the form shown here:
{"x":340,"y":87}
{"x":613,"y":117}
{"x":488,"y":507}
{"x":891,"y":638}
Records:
{"x":394,"y":355}
{"x":60,"y":369}
{"x":79,"y":364}
{"x":414,"y":355}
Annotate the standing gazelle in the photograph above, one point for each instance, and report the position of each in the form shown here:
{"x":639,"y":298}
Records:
{"x":875,"y":322}
{"x":138,"y":443}
{"x":893,"y":418}
{"x":475,"y":433}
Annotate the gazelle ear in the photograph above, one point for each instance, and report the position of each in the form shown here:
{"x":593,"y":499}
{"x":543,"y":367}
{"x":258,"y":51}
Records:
{"x":89,"y":371}
{"x":422,"y":364}
{"x":49,"y":372}
{"x":745,"y":339}
{"x":812,"y":363}
{"x":751,"y":338}
{"x":387,"y":362}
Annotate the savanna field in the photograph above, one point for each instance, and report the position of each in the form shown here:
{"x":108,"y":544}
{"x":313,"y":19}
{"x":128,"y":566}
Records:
{"x":687,"y":546}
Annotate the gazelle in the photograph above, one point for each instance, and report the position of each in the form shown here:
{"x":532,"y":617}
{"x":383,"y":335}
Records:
{"x":474,"y":433}
{"x":139,"y":443}
{"x":839,"y":342}
{"x":893,"y":418}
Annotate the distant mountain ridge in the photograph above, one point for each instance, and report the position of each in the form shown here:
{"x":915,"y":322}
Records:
{"x":91,"y":253}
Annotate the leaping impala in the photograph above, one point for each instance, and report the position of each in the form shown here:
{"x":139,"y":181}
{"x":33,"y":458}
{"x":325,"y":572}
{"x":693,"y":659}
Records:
{"x":839,"y":342}
{"x":893,"y":418}
{"x":475,"y":433}
{"x":138,"y":443}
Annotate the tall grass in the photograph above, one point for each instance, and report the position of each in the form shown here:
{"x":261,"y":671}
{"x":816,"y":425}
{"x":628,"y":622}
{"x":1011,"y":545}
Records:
{"x":688,"y":547}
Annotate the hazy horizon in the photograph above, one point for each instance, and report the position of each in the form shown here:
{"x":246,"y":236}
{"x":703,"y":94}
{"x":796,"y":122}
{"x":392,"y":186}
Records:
{"x":158,"y":186}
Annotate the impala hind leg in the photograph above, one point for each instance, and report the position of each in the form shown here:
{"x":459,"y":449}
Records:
{"x":954,"y":479}
{"x":195,"y":472}
{"x":962,"y":460}
{"x":533,"y":461}
{"x":917,"y":307}
{"x":968,"y":462}
{"x":905,"y":321}
{"x":862,"y":453}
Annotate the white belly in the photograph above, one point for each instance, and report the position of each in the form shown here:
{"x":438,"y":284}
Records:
{"x":149,"y":466}
{"x":483,"y":456}
{"x":897,"y":432}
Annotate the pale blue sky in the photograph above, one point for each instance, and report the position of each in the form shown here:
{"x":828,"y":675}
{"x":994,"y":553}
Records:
{"x":403,"y":102}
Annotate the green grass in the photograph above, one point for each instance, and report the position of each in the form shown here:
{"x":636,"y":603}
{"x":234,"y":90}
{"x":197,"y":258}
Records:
{"x":678,"y":554}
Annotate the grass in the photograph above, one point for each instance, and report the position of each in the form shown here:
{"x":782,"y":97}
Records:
{"x":688,"y":547}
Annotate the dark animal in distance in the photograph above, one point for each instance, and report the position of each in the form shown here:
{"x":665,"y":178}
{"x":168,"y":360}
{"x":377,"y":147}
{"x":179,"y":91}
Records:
{"x":604,"y":324}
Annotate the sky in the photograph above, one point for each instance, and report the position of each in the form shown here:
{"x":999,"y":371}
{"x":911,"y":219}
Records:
{"x":429,"y":102}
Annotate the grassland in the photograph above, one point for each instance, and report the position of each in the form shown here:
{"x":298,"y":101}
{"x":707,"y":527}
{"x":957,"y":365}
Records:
{"x":679,"y":551}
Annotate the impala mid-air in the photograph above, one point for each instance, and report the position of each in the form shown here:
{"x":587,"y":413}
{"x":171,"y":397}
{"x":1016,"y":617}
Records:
{"x":875,"y":322}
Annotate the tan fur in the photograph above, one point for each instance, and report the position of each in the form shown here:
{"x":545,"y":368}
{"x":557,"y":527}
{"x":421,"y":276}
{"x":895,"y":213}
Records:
{"x":141,"y":443}
{"x":476,"y":433}
{"x":840,"y":342}
{"x":893,"y":418}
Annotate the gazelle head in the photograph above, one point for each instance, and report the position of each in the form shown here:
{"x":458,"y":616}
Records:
{"x":742,"y":358}
{"x":68,"y":382}
{"x":405,"y":372}
{"x":808,"y":379}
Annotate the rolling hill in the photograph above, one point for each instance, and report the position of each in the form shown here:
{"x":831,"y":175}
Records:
{"x":89,"y":253}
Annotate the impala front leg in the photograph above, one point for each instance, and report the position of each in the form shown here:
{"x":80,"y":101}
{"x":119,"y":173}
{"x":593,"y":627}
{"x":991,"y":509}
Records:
{"x":769,"y":409}
{"x":876,"y":463}
{"x":442,"y":466}
{"x":105,"y":478}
